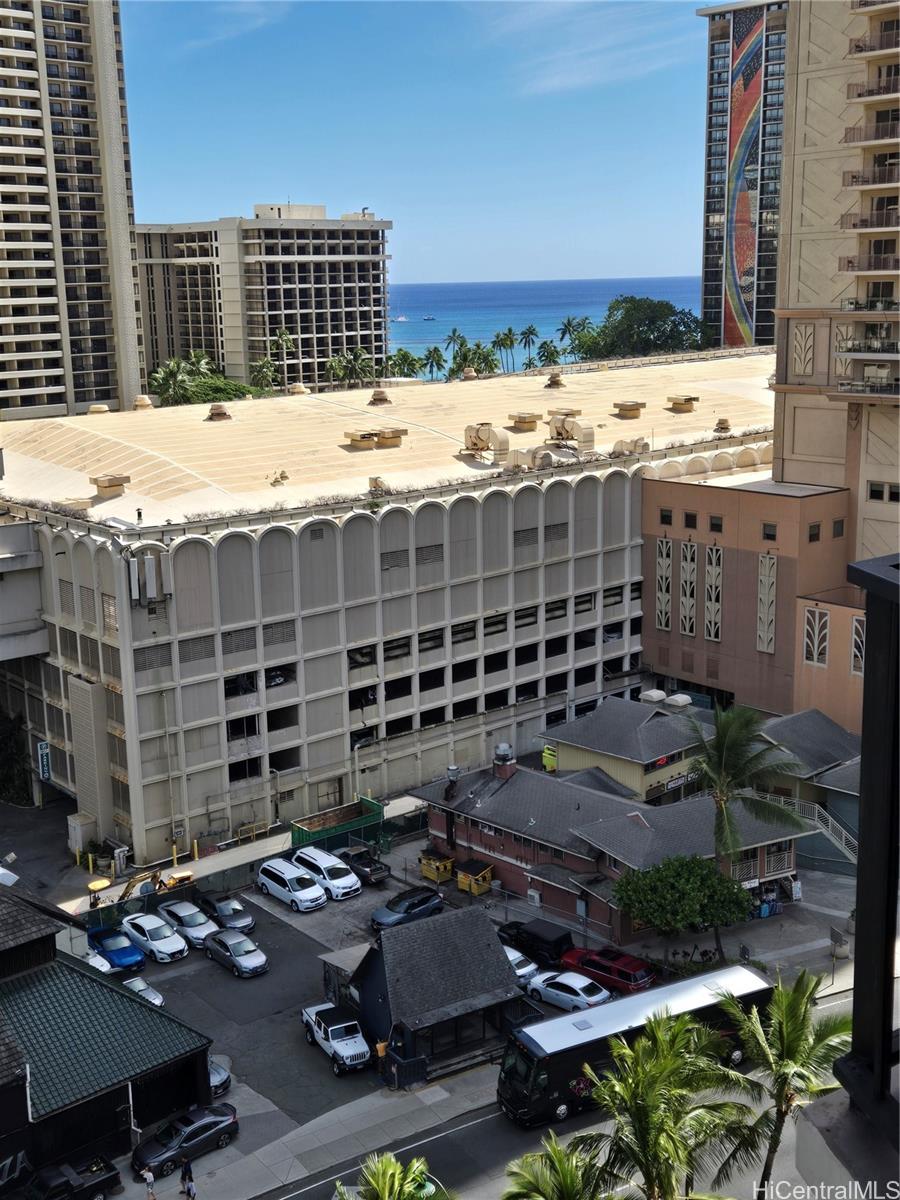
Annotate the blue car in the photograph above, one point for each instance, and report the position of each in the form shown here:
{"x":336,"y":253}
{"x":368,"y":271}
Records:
{"x":117,"y":949}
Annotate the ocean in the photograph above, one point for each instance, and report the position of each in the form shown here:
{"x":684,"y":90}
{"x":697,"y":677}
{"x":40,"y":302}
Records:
{"x":480,"y":310}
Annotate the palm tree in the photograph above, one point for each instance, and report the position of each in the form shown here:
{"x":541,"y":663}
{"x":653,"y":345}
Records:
{"x":509,"y":344}
{"x":384,"y":1177}
{"x":484,"y":359}
{"x":359,"y":368}
{"x":433,"y":360}
{"x":498,"y":343}
{"x":282,"y":343}
{"x":668,"y":1122}
{"x":530,"y":363}
{"x":793,"y":1053}
{"x":172,"y":382}
{"x":453,"y":340}
{"x":528,"y":338}
{"x":556,"y":1173}
{"x":568,"y":327}
{"x":262,"y":373}
{"x":336,"y":368}
{"x":548,"y":354}
{"x":404,"y":364}
{"x":731,"y":762}
{"x":200,"y":364}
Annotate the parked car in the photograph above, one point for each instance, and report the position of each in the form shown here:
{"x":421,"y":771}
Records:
{"x":407,"y":906}
{"x":364,"y":864}
{"x":227,"y":911}
{"x":541,"y":940}
{"x":188,"y":921}
{"x":290,"y":884}
{"x":98,"y":962}
{"x":188,"y":1135}
{"x":90,"y":1177}
{"x":337,"y":1032}
{"x":614,"y":969}
{"x":567,"y":989}
{"x":155,"y":937}
{"x":142,"y":988}
{"x":524,"y":968}
{"x":117,"y":948}
{"x":237,"y":952}
{"x":332,"y":875}
{"x":219,"y":1078}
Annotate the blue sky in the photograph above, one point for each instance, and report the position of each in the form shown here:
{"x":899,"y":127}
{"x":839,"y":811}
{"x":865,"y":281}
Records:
{"x":506,"y":140}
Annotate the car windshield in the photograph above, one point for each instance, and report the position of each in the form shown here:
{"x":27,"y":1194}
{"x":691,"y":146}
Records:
{"x":401,"y":903}
{"x":301,"y":883}
{"x":519,"y":962}
{"x":338,"y":872}
{"x":242,"y":947}
{"x":641,"y":976}
{"x":345,"y":1031}
{"x":118,"y":941}
{"x":591,"y":989}
{"x":168,"y":1134}
{"x":156,"y":933}
{"x":190,"y":919}
{"x":230,"y":908}
{"x":137,"y":985}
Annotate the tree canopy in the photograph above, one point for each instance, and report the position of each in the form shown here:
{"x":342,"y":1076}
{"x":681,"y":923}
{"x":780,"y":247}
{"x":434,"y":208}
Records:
{"x":681,"y":893}
{"x":639,"y":325}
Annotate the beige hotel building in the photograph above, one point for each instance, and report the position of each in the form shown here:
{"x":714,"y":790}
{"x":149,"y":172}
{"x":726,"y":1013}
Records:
{"x":68,"y":328}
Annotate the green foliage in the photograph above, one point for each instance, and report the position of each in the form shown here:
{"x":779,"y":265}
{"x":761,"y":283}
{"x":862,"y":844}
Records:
{"x":548,"y":354}
{"x":262,"y":373}
{"x":636,"y":325}
{"x":384,"y":1177}
{"x":15,"y":764}
{"x":172,"y":382}
{"x":528,"y":339}
{"x":282,"y":345}
{"x":734,"y":760}
{"x":792,"y":1052}
{"x":403,"y":365}
{"x":216,"y":389}
{"x":663,"y":1096}
{"x":556,"y":1172}
{"x":680,"y":893}
{"x":200,"y":364}
{"x":433,"y":360}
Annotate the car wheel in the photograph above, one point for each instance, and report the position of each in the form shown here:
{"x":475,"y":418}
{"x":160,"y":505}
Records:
{"x":168,"y":1167}
{"x":308,"y":1034}
{"x":295,"y":907}
{"x":99,"y":1196}
{"x":336,"y":1067}
{"x":235,"y":972}
{"x":223,"y":1140}
{"x":561,"y":1112}
{"x":263,"y":889}
{"x":534,"y":994}
{"x":209,"y":954}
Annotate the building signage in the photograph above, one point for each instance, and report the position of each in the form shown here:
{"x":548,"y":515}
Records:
{"x":43,"y":753}
{"x":675,"y":782}
{"x":750,"y":883}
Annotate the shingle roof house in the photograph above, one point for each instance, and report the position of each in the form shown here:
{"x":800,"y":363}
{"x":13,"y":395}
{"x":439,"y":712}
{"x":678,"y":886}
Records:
{"x":632,"y":730}
{"x":816,"y":741}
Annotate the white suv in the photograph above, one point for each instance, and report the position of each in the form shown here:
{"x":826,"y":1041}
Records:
{"x":289,"y":883}
{"x":329,"y":872}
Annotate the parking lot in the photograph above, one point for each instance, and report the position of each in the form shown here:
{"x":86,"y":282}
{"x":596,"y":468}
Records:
{"x":256,"y":1022}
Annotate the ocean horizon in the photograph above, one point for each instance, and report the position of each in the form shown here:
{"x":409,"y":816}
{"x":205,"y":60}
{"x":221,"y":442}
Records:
{"x":480,"y":310}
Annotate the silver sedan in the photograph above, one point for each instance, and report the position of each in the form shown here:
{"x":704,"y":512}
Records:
{"x":237,"y":952}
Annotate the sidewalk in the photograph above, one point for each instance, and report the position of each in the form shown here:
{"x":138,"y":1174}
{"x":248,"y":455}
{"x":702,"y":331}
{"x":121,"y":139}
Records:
{"x":256,"y":1164}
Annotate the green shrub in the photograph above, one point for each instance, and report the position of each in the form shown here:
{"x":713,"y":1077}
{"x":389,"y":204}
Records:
{"x":216,"y":389}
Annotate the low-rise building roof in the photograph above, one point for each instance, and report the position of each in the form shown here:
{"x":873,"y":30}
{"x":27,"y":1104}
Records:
{"x":21,"y":923}
{"x":631,"y":730}
{"x":813,"y":739}
{"x":844,"y":778}
{"x":444,"y":967}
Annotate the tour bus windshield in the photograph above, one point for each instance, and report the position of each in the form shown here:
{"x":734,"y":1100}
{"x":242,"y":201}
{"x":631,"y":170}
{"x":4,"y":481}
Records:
{"x":517,"y":1067}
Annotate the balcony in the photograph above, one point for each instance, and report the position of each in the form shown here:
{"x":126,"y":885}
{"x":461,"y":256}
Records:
{"x":875,"y":43}
{"x":877,"y":131}
{"x":745,"y":870}
{"x":868,"y":387}
{"x":857,"y":5}
{"x":872,"y":177}
{"x":871,"y":90}
{"x":779,"y":863}
{"x":870,"y":264}
{"x":867,"y":306}
{"x":867,"y":346}
{"x":889,"y":219}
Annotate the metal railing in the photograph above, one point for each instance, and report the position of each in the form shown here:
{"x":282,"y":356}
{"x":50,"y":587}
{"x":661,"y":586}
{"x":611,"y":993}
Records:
{"x":778,"y":863}
{"x":856,"y":4}
{"x":866,"y":346}
{"x":869,"y":305}
{"x":889,"y":219}
{"x":811,"y":811}
{"x":859,"y":91}
{"x":873,"y":177}
{"x":870,"y":262}
{"x":869,"y":387}
{"x":874,"y":132}
{"x":889,"y":40}
{"x":745,"y":870}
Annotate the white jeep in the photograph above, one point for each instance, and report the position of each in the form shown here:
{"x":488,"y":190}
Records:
{"x":337,"y":1031}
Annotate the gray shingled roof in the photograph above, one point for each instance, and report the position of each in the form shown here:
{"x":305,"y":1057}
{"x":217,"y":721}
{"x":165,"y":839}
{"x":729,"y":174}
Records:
{"x":631,"y":730}
{"x":844,"y":778}
{"x":12,"y":1059}
{"x":20,"y":923}
{"x":533,"y":804}
{"x":813,"y":739}
{"x":597,"y":780}
{"x":444,"y":967}
{"x":82,"y":1034}
{"x":645,"y":835}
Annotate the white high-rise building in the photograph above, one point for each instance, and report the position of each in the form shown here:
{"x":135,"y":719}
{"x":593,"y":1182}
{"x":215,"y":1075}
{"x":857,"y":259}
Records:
{"x":68,"y":326}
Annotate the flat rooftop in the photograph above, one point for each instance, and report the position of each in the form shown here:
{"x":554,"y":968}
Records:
{"x":181,"y":464}
{"x":758,"y":480}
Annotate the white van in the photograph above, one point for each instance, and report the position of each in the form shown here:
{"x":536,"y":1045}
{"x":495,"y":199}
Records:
{"x":289,"y":883}
{"x":329,"y":872}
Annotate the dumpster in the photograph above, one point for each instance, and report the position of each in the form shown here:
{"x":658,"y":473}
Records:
{"x":474,"y":876}
{"x":435,"y":868}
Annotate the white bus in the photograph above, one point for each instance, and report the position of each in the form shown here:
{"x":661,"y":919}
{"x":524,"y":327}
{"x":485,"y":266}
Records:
{"x":542,"y":1074}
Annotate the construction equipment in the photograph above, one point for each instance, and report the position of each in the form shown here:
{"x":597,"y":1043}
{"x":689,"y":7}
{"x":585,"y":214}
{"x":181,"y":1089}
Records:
{"x":149,"y":882}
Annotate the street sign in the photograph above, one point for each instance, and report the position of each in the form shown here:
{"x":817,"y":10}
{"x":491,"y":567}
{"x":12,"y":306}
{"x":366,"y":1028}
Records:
{"x":43,"y":753}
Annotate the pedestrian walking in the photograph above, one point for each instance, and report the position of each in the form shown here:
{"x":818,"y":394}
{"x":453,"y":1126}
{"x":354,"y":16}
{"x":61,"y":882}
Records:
{"x":190,"y":1189}
{"x":149,"y":1180}
{"x":187,"y":1175}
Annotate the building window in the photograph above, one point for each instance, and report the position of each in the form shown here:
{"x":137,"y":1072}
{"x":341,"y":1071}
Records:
{"x":769,"y":532}
{"x":585,"y":602}
{"x":431,"y":639}
{"x":766,"y":591}
{"x":837,"y":528}
{"x":612,"y":596}
{"x":688,"y":589}
{"x":815,"y":531}
{"x":712,"y":595}
{"x":464,"y":632}
{"x":525,"y":617}
{"x":556,"y":610}
{"x":664,"y":583}
{"x":491,"y":625}
{"x":361,"y":656}
{"x":716,"y":524}
{"x":884,"y":491}
{"x":665,"y":516}
{"x":690,"y":520}
{"x":815,"y":637}
{"x":857,"y":645}
{"x":397,"y":648}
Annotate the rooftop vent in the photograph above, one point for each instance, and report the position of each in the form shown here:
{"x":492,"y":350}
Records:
{"x":683,"y":403}
{"x":142,"y":403}
{"x":555,"y":380}
{"x":218,"y":412}
{"x":504,"y":762}
{"x":678,"y":701}
{"x":379,"y":396}
{"x":297,"y":389}
{"x":368,"y":439}
{"x":652,"y":696}
{"x":536,"y":459}
{"x":453,"y":772}
{"x":109,"y":486}
{"x":95,"y":409}
{"x":484,"y":439}
{"x":525,"y":422}
{"x":626,"y":447}
{"x":723,"y":425}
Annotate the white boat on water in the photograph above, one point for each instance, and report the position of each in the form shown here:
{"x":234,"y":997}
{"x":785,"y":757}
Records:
{"x":429,"y":318}
{"x":398,"y":319}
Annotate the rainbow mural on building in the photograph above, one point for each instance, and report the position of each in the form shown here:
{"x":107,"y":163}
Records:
{"x":743,"y":175}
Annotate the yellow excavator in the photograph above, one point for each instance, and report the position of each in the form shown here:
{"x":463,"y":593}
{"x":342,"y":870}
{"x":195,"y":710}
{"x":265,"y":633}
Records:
{"x":148,"y":882}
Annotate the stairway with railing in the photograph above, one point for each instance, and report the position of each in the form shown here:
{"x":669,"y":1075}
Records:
{"x":824,"y":822}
